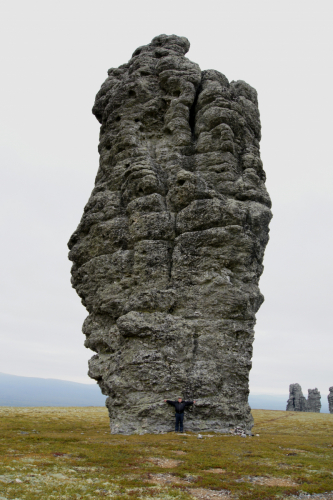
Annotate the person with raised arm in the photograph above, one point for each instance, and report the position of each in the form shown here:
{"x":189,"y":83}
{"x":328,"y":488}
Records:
{"x":179,"y":406}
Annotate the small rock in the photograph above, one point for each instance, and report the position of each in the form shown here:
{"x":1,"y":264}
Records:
{"x":18,"y":480}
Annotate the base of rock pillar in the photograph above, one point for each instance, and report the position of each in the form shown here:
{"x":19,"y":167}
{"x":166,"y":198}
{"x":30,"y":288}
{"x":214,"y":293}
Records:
{"x":162,"y":419}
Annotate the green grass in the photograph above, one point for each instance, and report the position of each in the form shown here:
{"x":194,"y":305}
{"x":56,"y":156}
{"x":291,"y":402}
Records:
{"x":68,"y":453}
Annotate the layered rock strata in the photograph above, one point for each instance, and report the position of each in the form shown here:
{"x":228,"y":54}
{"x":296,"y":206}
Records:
{"x":296,"y":401}
{"x":169,"y":251}
{"x":330,"y":400}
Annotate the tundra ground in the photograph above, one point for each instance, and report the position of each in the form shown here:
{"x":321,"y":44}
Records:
{"x":68,"y":453}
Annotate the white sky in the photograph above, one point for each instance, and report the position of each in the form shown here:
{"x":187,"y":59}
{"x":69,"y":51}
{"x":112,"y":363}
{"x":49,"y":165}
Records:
{"x":54,"y":57}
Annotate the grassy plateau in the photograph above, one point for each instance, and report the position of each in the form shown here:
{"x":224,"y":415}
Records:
{"x":69,"y":453}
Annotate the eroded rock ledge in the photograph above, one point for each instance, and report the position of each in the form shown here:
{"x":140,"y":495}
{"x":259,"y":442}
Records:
{"x":169,"y":251}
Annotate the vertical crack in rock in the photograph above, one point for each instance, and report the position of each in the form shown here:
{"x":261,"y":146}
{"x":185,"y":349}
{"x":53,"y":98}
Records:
{"x":192,"y":112}
{"x":168,"y":254}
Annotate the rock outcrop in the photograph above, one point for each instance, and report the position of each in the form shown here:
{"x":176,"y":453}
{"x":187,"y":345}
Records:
{"x":313,"y":403}
{"x":296,"y":401}
{"x":330,"y":400}
{"x":169,"y":251}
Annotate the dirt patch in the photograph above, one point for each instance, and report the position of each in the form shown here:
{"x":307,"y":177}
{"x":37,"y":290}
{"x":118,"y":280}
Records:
{"x":316,"y":496}
{"x":165,"y":463}
{"x":165,"y":479}
{"x":284,"y":466}
{"x":216,"y":471}
{"x":204,"y":494}
{"x":293,"y":450}
{"x":179,"y":452}
{"x":268,"y":481}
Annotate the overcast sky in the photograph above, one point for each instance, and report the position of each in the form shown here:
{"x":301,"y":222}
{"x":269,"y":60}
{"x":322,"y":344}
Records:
{"x":54,"y":57}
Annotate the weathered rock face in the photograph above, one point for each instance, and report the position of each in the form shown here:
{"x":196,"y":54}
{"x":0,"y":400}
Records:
{"x":330,"y":400}
{"x":296,"y":401}
{"x":313,"y":403}
{"x":168,"y":253}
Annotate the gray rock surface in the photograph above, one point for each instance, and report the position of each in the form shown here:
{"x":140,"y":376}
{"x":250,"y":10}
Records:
{"x":296,"y":401}
{"x":168,"y":254}
{"x":330,"y":400}
{"x":313,"y":403}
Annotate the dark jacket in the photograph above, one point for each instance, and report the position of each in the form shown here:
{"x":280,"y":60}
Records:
{"x":180,"y":407}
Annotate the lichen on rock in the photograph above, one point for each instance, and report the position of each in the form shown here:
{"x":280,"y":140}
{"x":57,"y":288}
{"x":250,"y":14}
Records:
{"x":169,"y":251}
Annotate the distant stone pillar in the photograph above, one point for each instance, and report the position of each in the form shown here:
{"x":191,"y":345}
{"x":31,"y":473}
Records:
{"x":313,"y":403}
{"x":330,"y":400}
{"x":296,"y":401}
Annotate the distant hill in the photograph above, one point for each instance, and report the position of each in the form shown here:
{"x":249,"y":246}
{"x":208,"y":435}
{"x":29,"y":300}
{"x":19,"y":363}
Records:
{"x":31,"y":391}
{"x":267,"y":402}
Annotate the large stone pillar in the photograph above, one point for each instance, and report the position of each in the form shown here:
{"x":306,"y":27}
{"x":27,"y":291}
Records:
{"x":313,"y":403}
{"x":169,"y":251}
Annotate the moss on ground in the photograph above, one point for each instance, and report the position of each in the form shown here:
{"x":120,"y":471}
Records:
{"x":68,"y":453}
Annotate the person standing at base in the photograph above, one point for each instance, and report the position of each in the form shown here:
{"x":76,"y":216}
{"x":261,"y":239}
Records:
{"x":180,"y":406}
